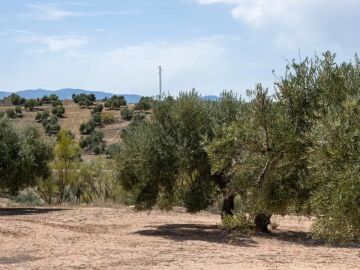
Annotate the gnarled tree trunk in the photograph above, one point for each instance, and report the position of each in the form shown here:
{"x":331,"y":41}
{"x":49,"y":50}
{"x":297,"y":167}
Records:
{"x":262,"y":221}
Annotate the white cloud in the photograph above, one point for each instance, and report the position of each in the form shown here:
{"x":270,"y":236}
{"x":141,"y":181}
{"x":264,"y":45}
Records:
{"x":47,"y":43}
{"x":295,"y":23}
{"x":63,"y":43}
{"x":52,"y":11}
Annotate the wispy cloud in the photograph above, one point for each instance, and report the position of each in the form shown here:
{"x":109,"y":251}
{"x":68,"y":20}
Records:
{"x":57,"y":11}
{"x":47,"y":43}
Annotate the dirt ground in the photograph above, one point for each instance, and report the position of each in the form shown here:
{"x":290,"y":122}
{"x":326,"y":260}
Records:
{"x":119,"y":238}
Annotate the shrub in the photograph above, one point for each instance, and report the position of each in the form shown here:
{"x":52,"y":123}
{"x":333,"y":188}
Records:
{"x":144,"y":104}
{"x":111,"y":150}
{"x":41,"y":117}
{"x":97,"y":109}
{"x":18,"y":110}
{"x":11,"y":113}
{"x":115,"y":102}
{"x":58,"y":110}
{"x":52,"y":125}
{"x":84,"y":100}
{"x":16,"y":99}
{"x":56,"y":102}
{"x":108,"y":117}
{"x":27,"y":199}
{"x":94,"y":142}
{"x":237,"y":224}
{"x":31,"y":103}
{"x":87,"y":128}
{"x":127,"y":114}
{"x":97,"y":119}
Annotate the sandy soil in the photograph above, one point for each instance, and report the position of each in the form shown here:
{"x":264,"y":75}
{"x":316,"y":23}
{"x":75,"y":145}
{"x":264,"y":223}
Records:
{"x":119,"y":238}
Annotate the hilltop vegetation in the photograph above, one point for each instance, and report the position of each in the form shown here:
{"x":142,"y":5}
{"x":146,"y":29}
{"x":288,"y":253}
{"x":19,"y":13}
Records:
{"x":292,"y":152}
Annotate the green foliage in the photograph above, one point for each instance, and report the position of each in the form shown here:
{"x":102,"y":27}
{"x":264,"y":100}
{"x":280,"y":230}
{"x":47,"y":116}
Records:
{"x":87,"y":128}
{"x":115,"y":102}
{"x":97,"y":119}
{"x":24,"y":157}
{"x":238,"y":223}
{"x":164,"y":160}
{"x":67,"y":153}
{"x":108,"y":118}
{"x":84,"y":100}
{"x":42,"y":117}
{"x":58,"y":110}
{"x":11,"y":113}
{"x":96,"y":182}
{"x":97,"y":109}
{"x":51,"y":125}
{"x":14,"y":113}
{"x":27,"y":199}
{"x":94,"y":142}
{"x":16,"y":99}
{"x":112,"y":150}
{"x":49,"y":99}
{"x":56,"y":102}
{"x":31,"y":103}
{"x":144,"y":104}
{"x":127,"y":114}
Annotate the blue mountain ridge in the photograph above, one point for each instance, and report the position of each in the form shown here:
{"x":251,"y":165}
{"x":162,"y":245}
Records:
{"x":66,"y":93}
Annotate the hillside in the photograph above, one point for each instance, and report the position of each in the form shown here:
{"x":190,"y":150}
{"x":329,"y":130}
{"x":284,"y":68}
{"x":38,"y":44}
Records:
{"x":74,"y":116}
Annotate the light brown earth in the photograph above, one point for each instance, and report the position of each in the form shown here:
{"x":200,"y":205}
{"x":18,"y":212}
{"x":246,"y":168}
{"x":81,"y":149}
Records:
{"x":119,"y":238}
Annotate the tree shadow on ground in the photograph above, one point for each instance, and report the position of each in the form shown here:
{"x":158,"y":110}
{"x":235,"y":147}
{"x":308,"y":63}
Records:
{"x":304,"y":239}
{"x":214,"y":234}
{"x":196,"y":232}
{"x":24,"y":211}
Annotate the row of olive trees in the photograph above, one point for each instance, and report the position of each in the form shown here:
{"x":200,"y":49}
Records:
{"x":296,"y":151}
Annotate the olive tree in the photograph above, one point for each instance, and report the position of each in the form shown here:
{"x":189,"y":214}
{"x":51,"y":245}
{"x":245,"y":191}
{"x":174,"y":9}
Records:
{"x":24,"y":157}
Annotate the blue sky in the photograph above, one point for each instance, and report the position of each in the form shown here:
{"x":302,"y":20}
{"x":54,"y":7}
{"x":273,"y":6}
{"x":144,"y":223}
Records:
{"x":210,"y":45}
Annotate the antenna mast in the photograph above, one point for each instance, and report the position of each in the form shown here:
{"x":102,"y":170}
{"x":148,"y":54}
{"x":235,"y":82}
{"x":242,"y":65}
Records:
{"x":160,"y":82}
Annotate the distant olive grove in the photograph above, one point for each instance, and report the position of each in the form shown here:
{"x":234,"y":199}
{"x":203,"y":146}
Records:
{"x":295,"y":150}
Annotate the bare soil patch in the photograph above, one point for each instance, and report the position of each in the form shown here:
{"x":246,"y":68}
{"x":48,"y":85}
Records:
{"x":119,"y":238}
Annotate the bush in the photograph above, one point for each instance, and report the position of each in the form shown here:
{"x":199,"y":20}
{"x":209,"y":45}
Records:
{"x":97,"y":109}
{"x":87,"y":128}
{"x":42,"y":117}
{"x":238,"y":223}
{"x":16,"y":99}
{"x":11,"y":113}
{"x":84,"y":100}
{"x":56,"y":102}
{"x":52,"y":125}
{"x":127,"y":114}
{"x":97,"y":119}
{"x":58,"y":110}
{"x":31,"y":103}
{"x":111,"y":150}
{"x":18,"y":111}
{"x":108,"y":117}
{"x":115,"y":102}
{"x":94,"y":142}
{"x":27,"y":199}
{"x":144,"y":104}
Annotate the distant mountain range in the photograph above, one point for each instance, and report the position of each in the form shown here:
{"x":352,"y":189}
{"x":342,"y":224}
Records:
{"x":66,"y":93}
